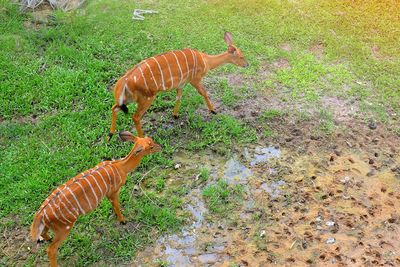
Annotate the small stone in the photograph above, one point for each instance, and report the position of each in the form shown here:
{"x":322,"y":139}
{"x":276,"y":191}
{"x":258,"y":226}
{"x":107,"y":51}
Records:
{"x":262,"y":234}
{"x":372,"y":125}
{"x":331,"y":240}
{"x":177,"y":166}
{"x":371,"y":173}
{"x":345,"y":180}
{"x":330,"y":223}
{"x":318,"y":219}
{"x":371,"y":161}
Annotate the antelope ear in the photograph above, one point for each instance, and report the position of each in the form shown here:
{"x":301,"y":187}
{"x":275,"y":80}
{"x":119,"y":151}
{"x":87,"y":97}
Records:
{"x":231,"y":49}
{"x":228,"y":38}
{"x":127,"y":136}
{"x":137,"y":149}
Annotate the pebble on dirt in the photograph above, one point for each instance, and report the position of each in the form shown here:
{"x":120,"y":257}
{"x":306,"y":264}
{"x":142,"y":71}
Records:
{"x":331,"y":240}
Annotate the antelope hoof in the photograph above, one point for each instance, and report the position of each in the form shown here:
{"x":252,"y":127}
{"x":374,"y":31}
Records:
{"x":42,"y":240}
{"x":176,"y":117}
{"x":123,"y":222}
{"x":110,"y":135}
{"x":213,"y":112}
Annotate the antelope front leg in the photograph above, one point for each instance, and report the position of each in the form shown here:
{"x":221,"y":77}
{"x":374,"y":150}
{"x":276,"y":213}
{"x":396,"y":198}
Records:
{"x":200,"y":88}
{"x":178,"y":102}
{"x":114,"y":110}
{"x":143,"y":105}
{"x":116,"y":207}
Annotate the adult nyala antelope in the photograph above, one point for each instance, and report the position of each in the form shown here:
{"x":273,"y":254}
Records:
{"x":84,"y":192}
{"x":168,"y":71}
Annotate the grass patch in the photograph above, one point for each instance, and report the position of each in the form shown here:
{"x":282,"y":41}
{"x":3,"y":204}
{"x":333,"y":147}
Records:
{"x":220,"y":197}
{"x":326,"y":124}
{"x":270,"y":114}
{"x":204,"y":174}
{"x":221,"y":129}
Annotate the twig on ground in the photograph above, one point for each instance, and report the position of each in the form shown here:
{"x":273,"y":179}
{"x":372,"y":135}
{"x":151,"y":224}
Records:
{"x":137,"y":13}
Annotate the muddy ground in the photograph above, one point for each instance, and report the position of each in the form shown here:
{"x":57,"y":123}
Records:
{"x":309,"y":199}
{"x":317,"y":208}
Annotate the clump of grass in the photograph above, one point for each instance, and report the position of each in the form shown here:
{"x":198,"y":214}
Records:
{"x":270,"y":114}
{"x":221,"y":129}
{"x":204,"y":174}
{"x":267,"y":132}
{"x":266,"y":116}
{"x":327,"y":124}
{"x":221,"y":196}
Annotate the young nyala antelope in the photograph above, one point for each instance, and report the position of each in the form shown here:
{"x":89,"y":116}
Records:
{"x":84,"y":192}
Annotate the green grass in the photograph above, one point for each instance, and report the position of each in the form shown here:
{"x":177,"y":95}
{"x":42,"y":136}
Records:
{"x":204,"y":174}
{"x":220,"y":197}
{"x":55,"y":97}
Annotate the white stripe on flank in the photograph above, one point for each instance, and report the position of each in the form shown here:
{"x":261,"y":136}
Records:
{"x":95,"y":180}
{"x":69,"y":211}
{"x":109,"y":179}
{"x":69,"y":202}
{"x":55,"y":215}
{"x":162,"y":75}
{"x":194,"y":62}
{"x":144,"y":79}
{"x":119,"y":176}
{"x":170,"y":72}
{"x":76,"y":200}
{"x":202,"y":58}
{"x":151,"y":72}
{"x":45,"y":215}
{"x":187,"y":64}
{"x":91,"y":187}
{"x":76,"y":213}
{"x":102,"y":178}
{"x":84,"y":193}
{"x":115,"y":178}
{"x":61,"y":213}
{"x":180,"y":69}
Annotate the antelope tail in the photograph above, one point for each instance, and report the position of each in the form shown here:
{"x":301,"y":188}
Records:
{"x":37,"y":227}
{"x":121,"y":100}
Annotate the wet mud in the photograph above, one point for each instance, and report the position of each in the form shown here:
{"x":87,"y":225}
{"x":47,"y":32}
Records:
{"x":312,"y":209}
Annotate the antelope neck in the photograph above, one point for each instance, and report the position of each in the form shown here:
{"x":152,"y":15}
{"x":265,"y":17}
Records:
{"x":214,"y":61}
{"x":130,"y":162}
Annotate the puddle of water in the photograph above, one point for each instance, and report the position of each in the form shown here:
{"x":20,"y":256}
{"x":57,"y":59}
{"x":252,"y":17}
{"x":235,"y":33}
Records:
{"x":274,"y":188}
{"x":182,"y":249}
{"x":236,"y":172}
{"x":263,"y":154}
{"x":208,"y":258}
